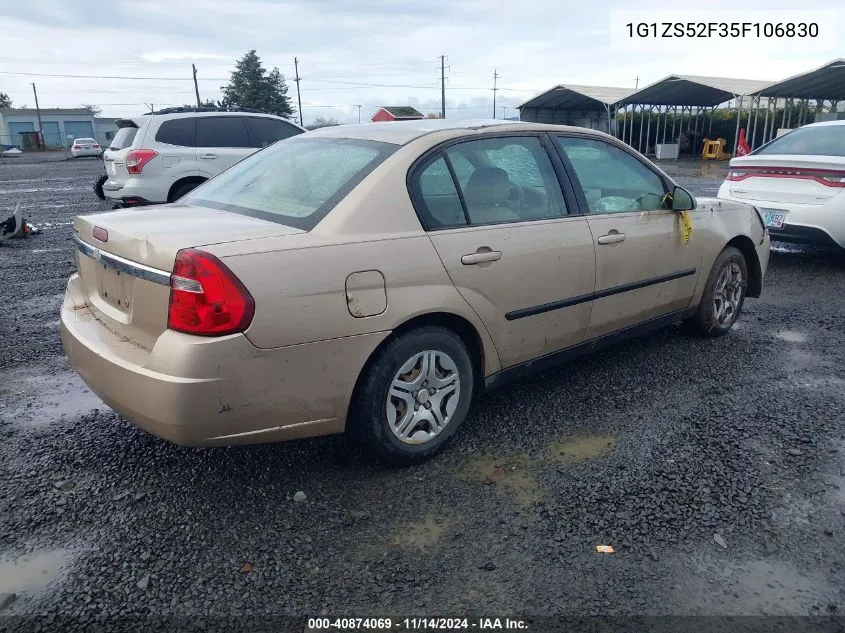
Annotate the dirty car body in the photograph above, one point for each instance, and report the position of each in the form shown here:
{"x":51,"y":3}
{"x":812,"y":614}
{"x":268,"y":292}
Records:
{"x":376,"y":278}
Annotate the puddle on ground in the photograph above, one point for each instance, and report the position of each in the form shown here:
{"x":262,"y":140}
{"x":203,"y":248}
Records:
{"x":511,"y":475}
{"x":421,"y":534}
{"x":745,"y":588}
{"x":28,"y":574}
{"x":582,"y":448}
{"x":791,"y":336}
{"x":38,"y":396}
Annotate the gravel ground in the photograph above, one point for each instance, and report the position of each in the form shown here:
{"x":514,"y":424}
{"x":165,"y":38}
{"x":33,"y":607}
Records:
{"x":714,"y":468}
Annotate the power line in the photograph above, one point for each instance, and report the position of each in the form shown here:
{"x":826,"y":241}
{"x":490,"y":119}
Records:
{"x":68,"y":76}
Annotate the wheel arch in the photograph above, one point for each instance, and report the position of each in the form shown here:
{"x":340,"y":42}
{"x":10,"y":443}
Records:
{"x":465,"y":330}
{"x":745,"y":246}
{"x":184,"y":181}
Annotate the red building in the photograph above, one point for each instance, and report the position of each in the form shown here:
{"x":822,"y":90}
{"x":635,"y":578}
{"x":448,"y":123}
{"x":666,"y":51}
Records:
{"x":396,"y":113}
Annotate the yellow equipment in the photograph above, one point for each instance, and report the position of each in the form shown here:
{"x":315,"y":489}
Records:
{"x":714,"y":150}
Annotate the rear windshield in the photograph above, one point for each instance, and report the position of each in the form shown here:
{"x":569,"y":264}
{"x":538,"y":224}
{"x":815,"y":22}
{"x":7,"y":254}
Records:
{"x":123,"y":138}
{"x":85,"y":140}
{"x":295,"y":182}
{"x":824,"y":140}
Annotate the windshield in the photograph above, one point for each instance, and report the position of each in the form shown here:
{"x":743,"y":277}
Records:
{"x":294,"y":182}
{"x":824,"y":140}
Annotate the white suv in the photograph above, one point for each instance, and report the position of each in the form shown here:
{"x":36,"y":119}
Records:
{"x":159,"y":157}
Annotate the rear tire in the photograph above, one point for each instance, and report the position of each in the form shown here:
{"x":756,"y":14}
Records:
{"x":183,"y":189}
{"x":98,"y":186}
{"x":412,"y":396}
{"x":723,"y":297}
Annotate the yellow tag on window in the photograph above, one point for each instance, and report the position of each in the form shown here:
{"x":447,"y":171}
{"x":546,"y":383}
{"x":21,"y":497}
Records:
{"x":686,"y":225}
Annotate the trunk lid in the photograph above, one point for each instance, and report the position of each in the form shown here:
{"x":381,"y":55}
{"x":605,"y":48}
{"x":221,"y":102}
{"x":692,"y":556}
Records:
{"x":786,"y":178}
{"x":125,"y":269}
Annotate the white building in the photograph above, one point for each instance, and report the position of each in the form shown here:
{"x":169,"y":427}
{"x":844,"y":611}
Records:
{"x":104,"y":130}
{"x":59,"y":125}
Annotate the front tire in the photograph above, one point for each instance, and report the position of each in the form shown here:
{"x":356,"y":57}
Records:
{"x":412,"y":396}
{"x":724,"y":294}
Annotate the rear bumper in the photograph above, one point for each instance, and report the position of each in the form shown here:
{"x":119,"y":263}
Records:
{"x":816,"y":224}
{"x":130,"y":201}
{"x":198,"y":391}
{"x":797,"y":234}
{"x":133,"y":194}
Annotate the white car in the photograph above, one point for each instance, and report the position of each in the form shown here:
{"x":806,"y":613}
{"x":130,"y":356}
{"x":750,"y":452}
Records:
{"x":797,"y":182}
{"x":85,"y":147}
{"x":158,"y":158}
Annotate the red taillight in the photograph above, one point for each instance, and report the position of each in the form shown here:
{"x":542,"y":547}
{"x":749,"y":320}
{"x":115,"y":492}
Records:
{"x":137,"y":158}
{"x":206,"y":298}
{"x":76,"y":147}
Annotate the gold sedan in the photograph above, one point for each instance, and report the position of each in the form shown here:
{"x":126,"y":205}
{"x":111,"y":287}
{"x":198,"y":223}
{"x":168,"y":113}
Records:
{"x":376,"y":278}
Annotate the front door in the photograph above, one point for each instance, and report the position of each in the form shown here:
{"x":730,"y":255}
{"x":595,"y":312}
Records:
{"x":497,"y":216}
{"x":644,"y":268}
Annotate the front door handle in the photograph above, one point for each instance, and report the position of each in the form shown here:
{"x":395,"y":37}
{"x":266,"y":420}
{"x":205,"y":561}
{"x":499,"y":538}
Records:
{"x":612,"y":238}
{"x":209,"y":156}
{"x":481,"y":257}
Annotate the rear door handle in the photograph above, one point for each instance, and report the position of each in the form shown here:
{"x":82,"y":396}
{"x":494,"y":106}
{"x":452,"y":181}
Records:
{"x":612,"y":238}
{"x":480,"y":258}
{"x":209,"y":156}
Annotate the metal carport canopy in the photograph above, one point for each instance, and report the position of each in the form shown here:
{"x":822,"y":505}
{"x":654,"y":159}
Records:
{"x":693,"y":90}
{"x":572,"y":97}
{"x":826,"y":83}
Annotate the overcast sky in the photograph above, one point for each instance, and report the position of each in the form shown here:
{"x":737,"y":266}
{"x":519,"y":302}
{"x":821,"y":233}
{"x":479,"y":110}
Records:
{"x":367,"y":52}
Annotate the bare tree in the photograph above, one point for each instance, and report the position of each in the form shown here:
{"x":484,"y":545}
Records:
{"x":322,"y":121}
{"x":95,"y":110}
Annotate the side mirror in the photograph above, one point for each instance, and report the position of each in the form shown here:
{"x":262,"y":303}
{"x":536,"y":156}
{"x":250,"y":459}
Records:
{"x":682,"y":200}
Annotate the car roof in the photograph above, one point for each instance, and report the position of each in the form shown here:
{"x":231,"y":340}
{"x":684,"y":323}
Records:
{"x":403,"y":132}
{"x":823,"y":123}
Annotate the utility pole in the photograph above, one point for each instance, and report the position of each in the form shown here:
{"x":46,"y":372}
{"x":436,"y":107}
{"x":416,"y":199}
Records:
{"x":495,"y":78}
{"x":442,"y":86}
{"x":359,"y":114}
{"x":298,"y":97}
{"x":637,"y":82}
{"x":196,"y":87}
{"x":38,"y":112}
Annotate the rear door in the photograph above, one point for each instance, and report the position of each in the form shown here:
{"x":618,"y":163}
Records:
{"x":497,"y":215}
{"x":221,"y":142}
{"x":644,"y":269}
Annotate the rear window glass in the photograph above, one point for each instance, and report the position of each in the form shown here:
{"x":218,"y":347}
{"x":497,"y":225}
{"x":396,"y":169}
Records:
{"x":265,"y":131}
{"x":825,"y":140}
{"x":294,"y":182}
{"x":178,"y":132}
{"x":123,"y":138}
